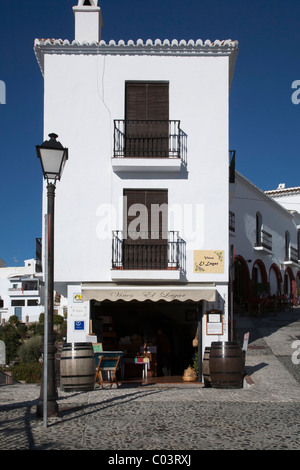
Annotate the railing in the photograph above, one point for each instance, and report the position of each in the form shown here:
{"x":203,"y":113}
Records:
{"x":151,"y":250}
{"x":263,"y":239}
{"x":148,"y":139}
{"x":293,"y":255}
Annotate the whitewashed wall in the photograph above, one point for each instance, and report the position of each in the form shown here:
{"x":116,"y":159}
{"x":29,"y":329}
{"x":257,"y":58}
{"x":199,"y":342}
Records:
{"x":83,"y":95}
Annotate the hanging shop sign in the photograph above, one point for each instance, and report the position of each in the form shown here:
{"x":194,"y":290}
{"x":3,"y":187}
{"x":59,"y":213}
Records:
{"x":209,"y":261}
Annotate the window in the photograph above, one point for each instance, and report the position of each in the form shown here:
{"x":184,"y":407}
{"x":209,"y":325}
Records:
{"x":287,"y":246}
{"x":258,"y":228}
{"x":32,"y":302}
{"x":146,"y":119}
{"x":147,"y":101}
{"x":18,"y":303}
{"x":146,"y":240}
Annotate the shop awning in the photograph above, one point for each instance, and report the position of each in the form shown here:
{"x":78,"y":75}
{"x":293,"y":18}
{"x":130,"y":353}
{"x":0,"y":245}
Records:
{"x":113,"y":292}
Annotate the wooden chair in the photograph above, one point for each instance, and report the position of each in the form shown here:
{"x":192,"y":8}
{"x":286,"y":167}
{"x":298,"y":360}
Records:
{"x":107,"y":366}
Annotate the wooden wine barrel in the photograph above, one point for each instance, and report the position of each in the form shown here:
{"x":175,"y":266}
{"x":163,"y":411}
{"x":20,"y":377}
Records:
{"x":226,"y":365}
{"x":205,"y":368}
{"x":77,"y":367}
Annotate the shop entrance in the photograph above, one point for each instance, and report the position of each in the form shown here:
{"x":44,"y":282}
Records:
{"x":166,"y":328}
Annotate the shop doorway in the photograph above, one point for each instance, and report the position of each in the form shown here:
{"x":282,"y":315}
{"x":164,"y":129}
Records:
{"x":241,"y":284}
{"x":167,"y":328}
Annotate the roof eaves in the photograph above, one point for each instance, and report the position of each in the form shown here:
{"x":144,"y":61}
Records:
{"x":159,"y":47}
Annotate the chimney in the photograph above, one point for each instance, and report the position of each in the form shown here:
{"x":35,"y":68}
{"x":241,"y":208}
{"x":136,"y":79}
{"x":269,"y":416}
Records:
{"x":88,"y":21}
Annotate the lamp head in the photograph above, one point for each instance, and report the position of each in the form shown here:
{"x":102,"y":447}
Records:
{"x":53,"y":157}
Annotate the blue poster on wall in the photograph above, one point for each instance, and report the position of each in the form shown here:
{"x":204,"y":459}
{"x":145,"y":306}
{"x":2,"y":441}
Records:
{"x":79,"y":325}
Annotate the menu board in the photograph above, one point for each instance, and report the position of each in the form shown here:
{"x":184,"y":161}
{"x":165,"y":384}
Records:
{"x":214,"y":322}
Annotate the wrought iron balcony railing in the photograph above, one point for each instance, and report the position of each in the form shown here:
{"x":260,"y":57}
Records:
{"x":151,"y":250}
{"x":293,"y":255}
{"x":263,"y":239}
{"x":148,"y":139}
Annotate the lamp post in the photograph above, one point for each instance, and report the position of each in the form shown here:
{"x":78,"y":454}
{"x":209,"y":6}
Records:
{"x":53,"y":157}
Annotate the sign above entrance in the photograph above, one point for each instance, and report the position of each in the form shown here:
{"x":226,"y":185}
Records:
{"x":113,"y":293}
{"x":209,"y":261}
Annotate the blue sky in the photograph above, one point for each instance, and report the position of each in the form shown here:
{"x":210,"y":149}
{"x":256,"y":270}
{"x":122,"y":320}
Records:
{"x":264,"y":123}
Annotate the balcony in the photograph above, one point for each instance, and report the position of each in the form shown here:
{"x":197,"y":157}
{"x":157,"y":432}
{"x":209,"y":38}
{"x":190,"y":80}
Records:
{"x":232,"y":221}
{"x":148,"y":145}
{"x":292,"y":257}
{"x":263,"y":241}
{"x":19,"y":291}
{"x":146,"y":258}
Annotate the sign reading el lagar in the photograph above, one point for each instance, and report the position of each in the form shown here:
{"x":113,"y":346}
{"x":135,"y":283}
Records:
{"x":208,"y":261}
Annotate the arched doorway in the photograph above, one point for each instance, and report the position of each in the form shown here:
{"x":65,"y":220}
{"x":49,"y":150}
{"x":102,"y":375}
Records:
{"x":260,"y":283}
{"x":289,"y":286}
{"x":275,"y":280}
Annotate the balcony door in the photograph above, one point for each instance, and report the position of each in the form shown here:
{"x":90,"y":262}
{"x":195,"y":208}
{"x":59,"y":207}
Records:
{"x":147,"y":119}
{"x":145,"y":244}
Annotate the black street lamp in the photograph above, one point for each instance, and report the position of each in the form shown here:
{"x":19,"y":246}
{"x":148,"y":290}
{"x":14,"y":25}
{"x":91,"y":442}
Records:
{"x":53,"y":157}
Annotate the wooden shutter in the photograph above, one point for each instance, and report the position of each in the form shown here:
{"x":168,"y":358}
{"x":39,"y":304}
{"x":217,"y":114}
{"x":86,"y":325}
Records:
{"x":136,"y":101}
{"x":158,"y":101}
{"x":147,"y":119}
{"x":147,"y":101}
{"x":150,"y":249}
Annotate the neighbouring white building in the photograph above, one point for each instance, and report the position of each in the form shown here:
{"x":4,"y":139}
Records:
{"x":141,"y":211}
{"x":264,"y":231}
{"x":20,"y":292}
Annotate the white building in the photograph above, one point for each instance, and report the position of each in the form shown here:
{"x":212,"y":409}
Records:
{"x":20,"y":292}
{"x":141,"y":214}
{"x":265,"y":236}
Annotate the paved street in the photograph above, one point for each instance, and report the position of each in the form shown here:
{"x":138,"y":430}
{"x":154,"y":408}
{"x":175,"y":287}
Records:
{"x":264,"y":415}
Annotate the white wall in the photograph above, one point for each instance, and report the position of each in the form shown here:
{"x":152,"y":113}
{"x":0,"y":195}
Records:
{"x":83,"y":94}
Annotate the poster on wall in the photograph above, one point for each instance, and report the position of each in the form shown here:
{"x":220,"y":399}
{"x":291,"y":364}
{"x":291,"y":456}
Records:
{"x":209,"y":261}
{"x":214,"y":322}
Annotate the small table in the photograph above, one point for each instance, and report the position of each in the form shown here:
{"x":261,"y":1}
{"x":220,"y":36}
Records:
{"x":144,"y":361}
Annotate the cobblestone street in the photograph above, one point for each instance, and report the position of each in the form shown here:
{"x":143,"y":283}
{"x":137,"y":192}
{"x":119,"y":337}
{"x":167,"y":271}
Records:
{"x":264,"y":415}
